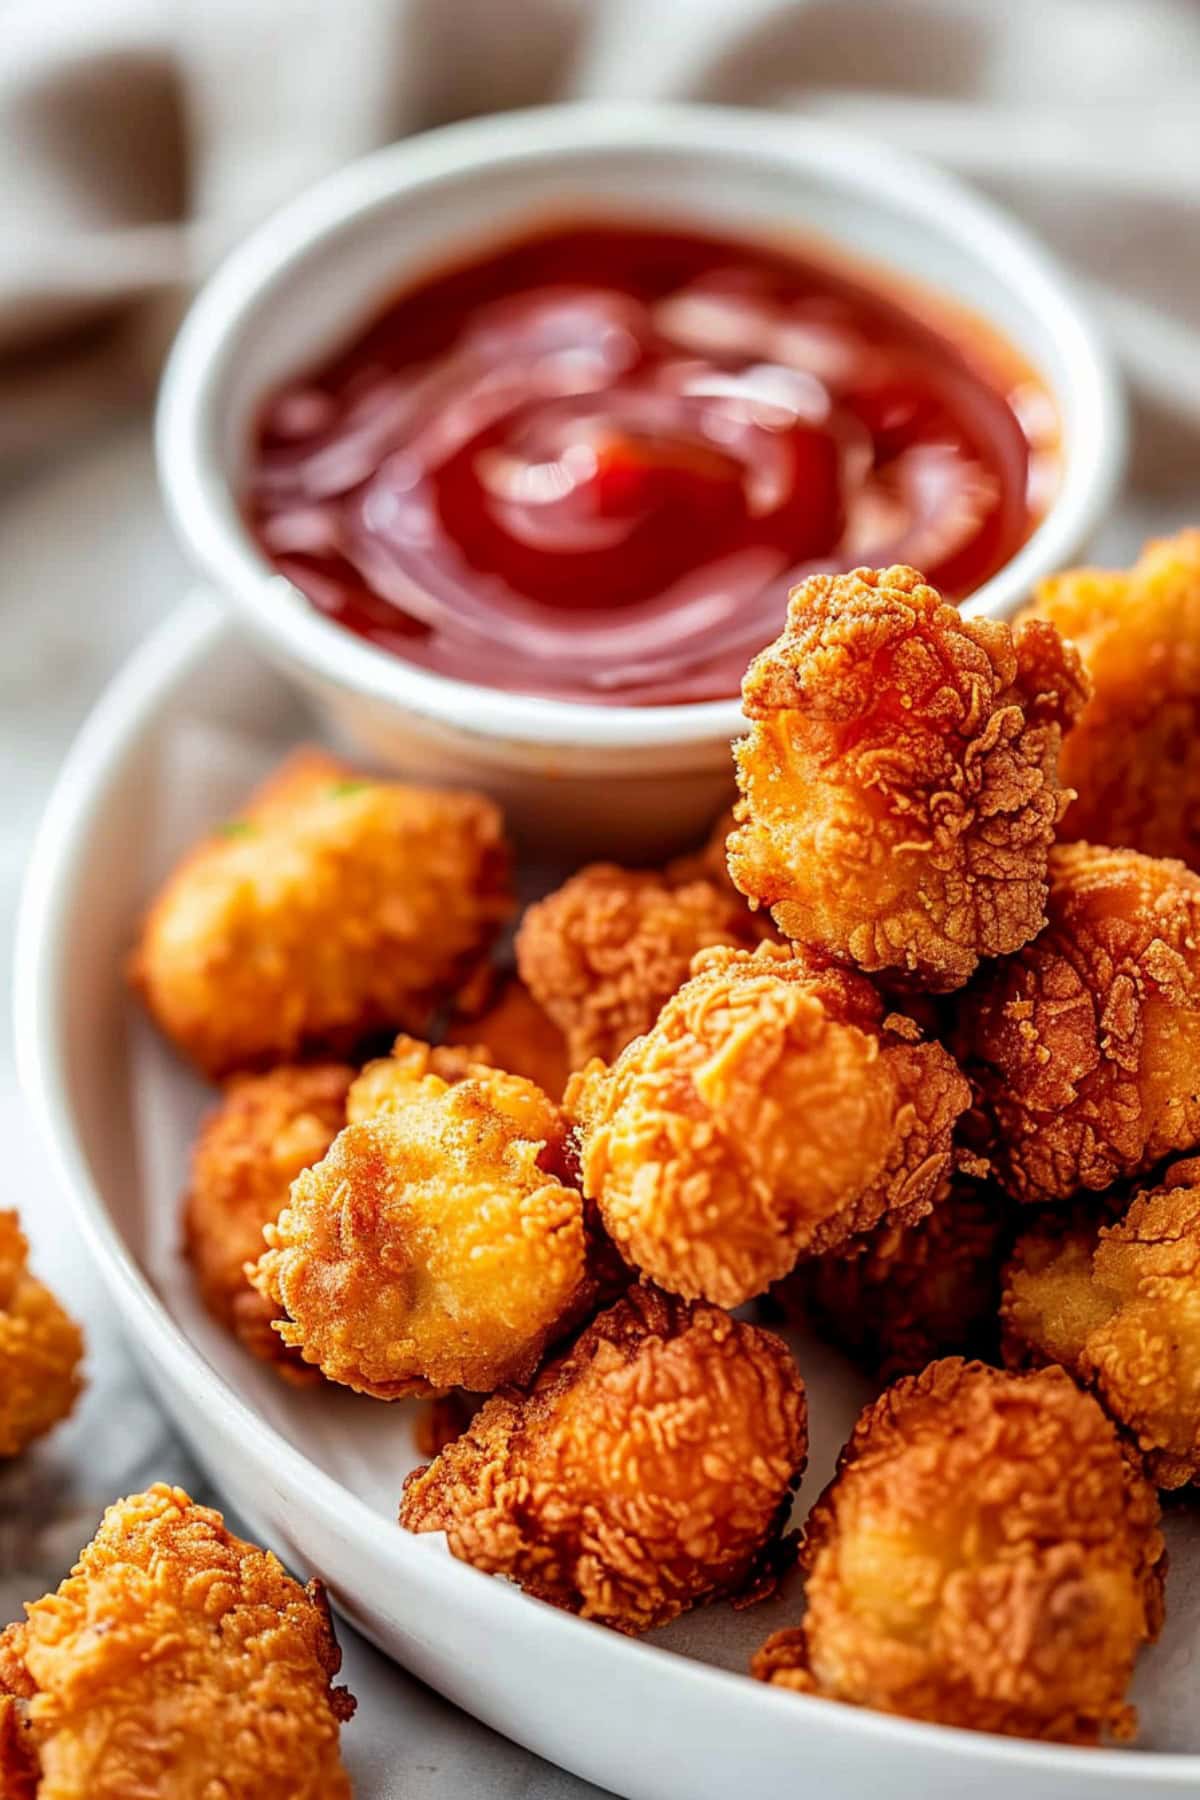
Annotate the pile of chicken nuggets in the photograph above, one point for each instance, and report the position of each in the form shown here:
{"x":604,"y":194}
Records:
{"x":909,"y":1049}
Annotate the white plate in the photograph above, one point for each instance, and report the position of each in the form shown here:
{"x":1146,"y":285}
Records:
{"x":185,"y":727}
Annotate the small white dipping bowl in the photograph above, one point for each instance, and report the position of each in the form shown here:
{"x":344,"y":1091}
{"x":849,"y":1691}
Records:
{"x":306,"y":280}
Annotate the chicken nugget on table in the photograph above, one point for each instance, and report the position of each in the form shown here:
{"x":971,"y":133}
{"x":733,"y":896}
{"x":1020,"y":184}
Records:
{"x":900,"y":777}
{"x":1084,"y":1047}
{"x":440,"y":1242}
{"x":604,"y":952}
{"x":1113,"y":1294}
{"x":175,"y":1661}
{"x":988,"y":1555}
{"x":648,"y":1469}
{"x":336,"y":907}
{"x":1133,"y":754}
{"x":774,"y":1110}
{"x":266,"y":1129}
{"x":41,"y":1348}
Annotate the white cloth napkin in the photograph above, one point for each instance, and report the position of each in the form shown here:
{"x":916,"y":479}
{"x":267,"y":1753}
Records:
{"x":140,"y":137}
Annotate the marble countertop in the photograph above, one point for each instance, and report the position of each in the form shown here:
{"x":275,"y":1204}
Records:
{"x":88,"y":569}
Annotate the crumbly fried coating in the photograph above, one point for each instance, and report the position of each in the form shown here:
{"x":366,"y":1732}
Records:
{"x":649,"y":1468}
{"x":988,"y":1556}
{"x":1119,"y":1306}
{"x":607,"y":949}
{"x":773,"y":1110}
{"x":1084,"y":1048}
{"x":435,"y":1246}
{"x":513,"y":1032}
{"x":1134,"y":752}
{"x":899,"y":780}
{"x":250,"y":1149}
{"x":412,"y":1070}
{"x":40,"y":1348}
{"x":916,"y":1292}
{"x":336,"y":906}
{"x":176,"y":1662}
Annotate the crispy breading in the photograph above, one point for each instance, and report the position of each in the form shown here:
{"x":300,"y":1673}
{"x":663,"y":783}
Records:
{"x":988,"y":1555}
{"x":513,"y":1032}
{"x":649,"y":1469}
{"x":773,"y":1110}
{"x":412,"y":1070}
{"x":435,"y":1246}
{"x":1119,"y":1306}
{"x":250,"y":1149}
{"x":899,"y":781}
{"x":1134,"y":752}
{"x":915,"y":1292}
{"x":336,"y":906}
{"x":608,"y":948}
{"x":1085,"y":1047}
{"x":41,"y":1348}
{"x":177,"y":1662}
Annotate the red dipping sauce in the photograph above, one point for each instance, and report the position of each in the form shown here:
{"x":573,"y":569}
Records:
{"x":591,"y":463}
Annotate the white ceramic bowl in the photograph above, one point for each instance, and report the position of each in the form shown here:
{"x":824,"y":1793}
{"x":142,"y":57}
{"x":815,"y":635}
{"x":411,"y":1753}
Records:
{"x":305,"y":279}
{"x":318,"y":1473}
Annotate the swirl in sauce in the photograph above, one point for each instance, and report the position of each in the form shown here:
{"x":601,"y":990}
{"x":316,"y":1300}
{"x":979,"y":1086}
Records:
{"x":591,"y":463}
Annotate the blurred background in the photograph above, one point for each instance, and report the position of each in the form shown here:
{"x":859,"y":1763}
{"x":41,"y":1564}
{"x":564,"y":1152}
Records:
{"x":140,"y":138}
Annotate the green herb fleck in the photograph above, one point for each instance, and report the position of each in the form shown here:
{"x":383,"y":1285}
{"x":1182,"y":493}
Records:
{"x":349,"y":787}
{"x":235,"y":828}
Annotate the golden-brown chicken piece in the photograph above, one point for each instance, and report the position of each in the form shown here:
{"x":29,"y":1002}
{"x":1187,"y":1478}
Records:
{"x":251,"y":1148}
{"x":988,"y":1556}
{"x":1119,"y":1306}
{"x":515,"y":1033}
{"x":40,"y":1348}
{"x":335,"y":906}
{"x":772,"y":1111}
{"x":605,"y":951}
{"x":899,"y":781}
{"x":176,"y":1662}
{"x":916,"y":1292}
{"x":1134,"y":752}
{"x":1085,"y":1047}
{"x":648,"y":1469}
{"x":435,"y":1246}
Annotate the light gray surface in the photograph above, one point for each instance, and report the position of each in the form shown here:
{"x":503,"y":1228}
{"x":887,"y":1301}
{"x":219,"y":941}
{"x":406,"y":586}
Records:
{"x":86,"y":567}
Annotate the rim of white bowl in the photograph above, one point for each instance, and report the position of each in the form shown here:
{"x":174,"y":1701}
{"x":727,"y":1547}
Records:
{"x":109,"y":740}
{"x":204,"y":511}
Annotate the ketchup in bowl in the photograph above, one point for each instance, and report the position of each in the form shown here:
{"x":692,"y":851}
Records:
{"x":591,"y":463}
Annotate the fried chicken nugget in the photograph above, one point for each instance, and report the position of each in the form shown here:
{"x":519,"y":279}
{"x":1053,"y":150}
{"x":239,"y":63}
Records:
{"x":436,"y":1245}
{"x":1134,"y":751}
{"x":649,"y":1469}
{"x":251,"y":1148}
{"x":40,"y":1348}
{"x":607,"y":949}
{"x":915,"y":1292}
{"x":899,"y":781}
{"x":1085,"y":1047}
{"x":176,"y":1662}
{"x":336,"y":906}
{"x":987,"y":1556}
{"x":1119,"y":1306}
{"x":771,"y":1111}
